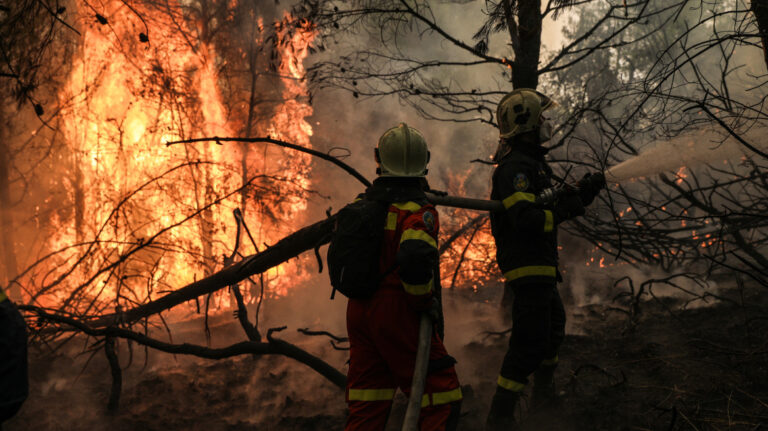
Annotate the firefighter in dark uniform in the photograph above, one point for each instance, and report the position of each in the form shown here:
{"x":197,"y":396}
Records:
{"x":14,"y":383}
{"x":526,"y":247}
{"x":384,"y":329}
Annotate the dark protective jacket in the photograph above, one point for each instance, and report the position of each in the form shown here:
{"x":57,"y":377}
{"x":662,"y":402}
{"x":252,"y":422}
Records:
{"x":14,"y":382}
{"x":526,"y":233}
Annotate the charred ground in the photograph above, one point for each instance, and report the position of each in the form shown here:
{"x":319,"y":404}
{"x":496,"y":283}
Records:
{"x":666,"y":368}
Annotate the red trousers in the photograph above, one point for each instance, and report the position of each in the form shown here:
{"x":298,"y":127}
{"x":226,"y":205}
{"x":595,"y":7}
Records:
{"x":383,"y":336}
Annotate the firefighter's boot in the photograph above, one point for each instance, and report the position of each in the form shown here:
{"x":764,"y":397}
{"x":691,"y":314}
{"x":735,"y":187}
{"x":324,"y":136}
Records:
{"x":543,"y":393}
{"x":502,"y":414}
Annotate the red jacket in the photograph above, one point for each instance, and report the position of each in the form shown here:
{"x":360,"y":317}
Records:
{"x":410,"y":246}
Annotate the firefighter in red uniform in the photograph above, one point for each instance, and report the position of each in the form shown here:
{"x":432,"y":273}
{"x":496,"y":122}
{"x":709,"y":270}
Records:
{"x":383,"y":330}
{"x":526,"y":251}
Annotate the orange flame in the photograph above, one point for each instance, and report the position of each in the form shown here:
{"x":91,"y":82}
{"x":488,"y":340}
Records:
{"x":149,"y":217}
{"x":465,"y":264}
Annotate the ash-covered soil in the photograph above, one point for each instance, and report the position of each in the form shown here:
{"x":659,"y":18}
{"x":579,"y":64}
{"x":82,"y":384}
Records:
{"x":703,"y":368}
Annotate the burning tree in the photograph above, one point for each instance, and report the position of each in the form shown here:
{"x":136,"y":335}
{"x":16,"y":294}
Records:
{"x":127,"y":218}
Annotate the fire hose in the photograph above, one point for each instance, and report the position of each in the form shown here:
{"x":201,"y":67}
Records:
{"x":411,"y":422}
{"x":548,"y":196}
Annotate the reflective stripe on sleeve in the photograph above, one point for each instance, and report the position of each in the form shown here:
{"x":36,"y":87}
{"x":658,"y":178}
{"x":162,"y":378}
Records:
{"x":391,"y":221}
{"x":418,"y":289}
{"x":549,"y":221}
{"x":510,"y":384}
{"x":407,"y":206}
{"x":527,"y":271}
{"x":516,"y":197}
{"x":371,"y":394}
{"x":418,"y":235}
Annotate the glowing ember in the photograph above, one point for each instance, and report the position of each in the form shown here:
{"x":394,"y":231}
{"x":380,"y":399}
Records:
{"x":680,"y":175}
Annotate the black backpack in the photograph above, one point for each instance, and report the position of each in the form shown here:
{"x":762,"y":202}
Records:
{"x":355,"y":249}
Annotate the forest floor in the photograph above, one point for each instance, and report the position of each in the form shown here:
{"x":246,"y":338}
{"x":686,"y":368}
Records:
{"x":668,"y":367}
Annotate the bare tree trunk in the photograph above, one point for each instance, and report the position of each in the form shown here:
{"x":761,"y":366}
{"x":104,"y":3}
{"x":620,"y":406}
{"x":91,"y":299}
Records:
{"x":760,"y":8}
{"x":6,"y":222}
{"x":206,"y":222}
{"x":79,"y":197}
{"x":526,"y":64}
{"x":245,"y":147}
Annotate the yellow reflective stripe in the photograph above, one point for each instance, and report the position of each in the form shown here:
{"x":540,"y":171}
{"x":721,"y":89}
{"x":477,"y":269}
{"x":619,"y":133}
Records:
{"x":552,"y":361}
{"x":517,"y":197}
{"x":391,"y":221}
{"x":446,"y":397}
{"x":407,"y":206}
{"x":2,"y":296}
{"x":419,"y":235}
{"x":527,"y":271}
{"x":371,"y":394}
{"x":549,"y":221}
{"x":439,"y":398}
{"x":510,"y":384}
{"x":418,"y":289}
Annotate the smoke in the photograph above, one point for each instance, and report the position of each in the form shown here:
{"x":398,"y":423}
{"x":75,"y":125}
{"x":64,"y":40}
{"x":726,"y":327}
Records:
{"x":587,"y":285}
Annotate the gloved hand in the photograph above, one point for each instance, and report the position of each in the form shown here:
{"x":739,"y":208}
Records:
{"x":568,"y":206}
{"x":589,"y":187}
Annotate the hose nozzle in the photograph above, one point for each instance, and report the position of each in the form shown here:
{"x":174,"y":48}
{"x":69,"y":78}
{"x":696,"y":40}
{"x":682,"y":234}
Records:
{"x":594,"y":182}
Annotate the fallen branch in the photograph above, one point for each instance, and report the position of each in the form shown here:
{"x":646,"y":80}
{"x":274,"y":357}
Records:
{"x":309,"y":332}
{"x":335,"y":340}
{"x":272,"y":347}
